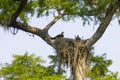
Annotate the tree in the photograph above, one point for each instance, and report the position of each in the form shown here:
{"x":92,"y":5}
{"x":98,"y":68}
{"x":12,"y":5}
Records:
{"x":74,"y":53}
{"x":99,"y":69}
{"x":28,"y":67}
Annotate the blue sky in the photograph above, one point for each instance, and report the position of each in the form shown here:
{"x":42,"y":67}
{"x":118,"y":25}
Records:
{"x":22,"y":42}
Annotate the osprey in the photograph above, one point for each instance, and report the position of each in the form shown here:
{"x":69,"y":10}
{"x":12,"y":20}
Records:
{"x":59,"y":36}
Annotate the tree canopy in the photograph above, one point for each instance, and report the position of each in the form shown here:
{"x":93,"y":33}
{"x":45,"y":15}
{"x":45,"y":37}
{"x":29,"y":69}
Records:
{"x":28,"y":67}
{"x":87,"y":9}
{"x":16,"y":13}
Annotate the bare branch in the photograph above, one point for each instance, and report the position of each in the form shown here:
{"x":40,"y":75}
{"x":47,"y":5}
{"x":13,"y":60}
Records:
{"x":34,"y":30}
{"x":17,"y":12}
{"x":104,"y":24}
{"x":28,"y":28}
{"x":47,"y":27}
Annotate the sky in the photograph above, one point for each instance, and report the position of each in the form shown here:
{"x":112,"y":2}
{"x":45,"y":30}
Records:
{"x":22,"y":42}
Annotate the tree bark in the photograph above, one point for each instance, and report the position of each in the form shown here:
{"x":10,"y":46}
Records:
{"x":79,"y":70}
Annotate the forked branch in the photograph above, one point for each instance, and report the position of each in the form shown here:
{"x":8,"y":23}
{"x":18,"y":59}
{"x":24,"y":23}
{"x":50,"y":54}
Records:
{"x":43,"y":33}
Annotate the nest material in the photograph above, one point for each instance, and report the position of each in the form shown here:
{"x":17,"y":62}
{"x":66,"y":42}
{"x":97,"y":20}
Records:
{"x":71,"y":52}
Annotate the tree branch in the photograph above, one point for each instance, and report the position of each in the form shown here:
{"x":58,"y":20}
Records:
{"x":43,"y":33}
{"x":34,"y":30}
{"x":17,"y":12}
{"x":47,"y":27}
{"x":28,"y":28}
{"x":104,"y":24}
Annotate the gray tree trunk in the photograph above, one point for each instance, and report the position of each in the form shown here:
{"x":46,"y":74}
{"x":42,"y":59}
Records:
{"x":79,"y":71}
{"x":74,"y":54}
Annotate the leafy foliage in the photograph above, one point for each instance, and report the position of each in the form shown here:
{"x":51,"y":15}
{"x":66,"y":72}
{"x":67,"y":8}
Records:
{"x":100,"y":63}
{"x":86,"y":9}
{"x":99,"y":69}
{"x":28,"y":67}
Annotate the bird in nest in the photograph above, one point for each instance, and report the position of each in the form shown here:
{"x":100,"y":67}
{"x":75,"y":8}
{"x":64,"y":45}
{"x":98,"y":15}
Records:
{"x":58,"y":36}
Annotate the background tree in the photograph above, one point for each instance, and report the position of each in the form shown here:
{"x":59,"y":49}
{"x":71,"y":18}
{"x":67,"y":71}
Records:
{"x":28,"y":67}
{"x":71,"y":52}
{"x":99,"y":69}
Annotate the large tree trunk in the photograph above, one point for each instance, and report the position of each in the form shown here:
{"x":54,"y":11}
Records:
{"x":74,"y":54}
{"x":79,"y":70}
